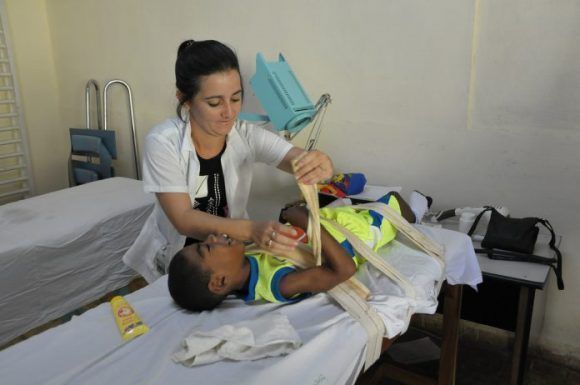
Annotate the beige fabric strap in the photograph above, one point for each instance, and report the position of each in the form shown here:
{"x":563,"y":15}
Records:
{"x":426,"y":244}
{"x":366,"y":252}
{"x":344,"y":293}
{"x":430,"y":247}
{"x":368,"y":317}
{"x":310,"y":194}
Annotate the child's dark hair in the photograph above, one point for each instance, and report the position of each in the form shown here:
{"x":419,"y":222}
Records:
{"x":188,"y":284}
{"x":200,"y":58}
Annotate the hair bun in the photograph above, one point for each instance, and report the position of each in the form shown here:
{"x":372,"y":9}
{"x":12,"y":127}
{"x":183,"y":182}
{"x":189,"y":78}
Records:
{"x":185,"y":45}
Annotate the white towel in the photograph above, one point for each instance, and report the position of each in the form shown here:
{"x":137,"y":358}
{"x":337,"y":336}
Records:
{"x":267,"y":336}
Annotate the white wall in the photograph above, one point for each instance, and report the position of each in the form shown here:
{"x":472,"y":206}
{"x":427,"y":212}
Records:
{"x":472,"y":102}
{"x":526,"y":105}
{"x":35,"y":72}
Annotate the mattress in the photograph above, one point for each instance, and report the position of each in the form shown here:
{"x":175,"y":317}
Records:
{"x":61,"y":250}
{"x":89,"y":349}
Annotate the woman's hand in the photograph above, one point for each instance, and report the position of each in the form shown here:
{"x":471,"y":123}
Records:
{"x":274,"y":237}
{"x":313,"y":167}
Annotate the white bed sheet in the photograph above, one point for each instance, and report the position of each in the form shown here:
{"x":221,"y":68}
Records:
{"x":89,"y":350}
{"x":60,"y":250}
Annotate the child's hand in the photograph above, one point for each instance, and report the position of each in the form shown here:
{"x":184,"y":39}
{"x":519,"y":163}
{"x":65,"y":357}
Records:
{"x":297,"y":216}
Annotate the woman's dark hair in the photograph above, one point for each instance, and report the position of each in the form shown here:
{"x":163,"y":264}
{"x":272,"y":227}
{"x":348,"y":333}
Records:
{"x":200,"y":58}
{"x":187,"y":282}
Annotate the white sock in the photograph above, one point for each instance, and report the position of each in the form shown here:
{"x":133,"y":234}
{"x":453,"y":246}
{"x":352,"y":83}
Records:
{"x":419,"y":205}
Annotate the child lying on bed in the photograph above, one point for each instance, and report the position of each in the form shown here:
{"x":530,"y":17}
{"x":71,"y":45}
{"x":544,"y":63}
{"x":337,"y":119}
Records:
{"x":202,"y":275}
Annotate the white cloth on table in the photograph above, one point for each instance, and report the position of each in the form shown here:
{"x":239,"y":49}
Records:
{"x":270,"y":335}
{"x":458,"y":247}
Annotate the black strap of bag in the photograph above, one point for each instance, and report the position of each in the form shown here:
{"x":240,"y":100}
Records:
{"x":517,"y":255}
{"x":558,"y":267}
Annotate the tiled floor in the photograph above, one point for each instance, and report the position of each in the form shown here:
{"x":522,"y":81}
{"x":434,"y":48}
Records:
{"x":478,"y":365}
{"x":482,"y":366}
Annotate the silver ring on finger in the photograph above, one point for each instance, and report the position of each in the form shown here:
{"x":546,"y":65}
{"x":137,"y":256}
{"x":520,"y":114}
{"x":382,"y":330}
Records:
{"x":273,"y":236}
{"x":269,"y":243}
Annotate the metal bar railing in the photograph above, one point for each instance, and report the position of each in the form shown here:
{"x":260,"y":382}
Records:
{"x":133,"y":135}
{"x":95,"y":85}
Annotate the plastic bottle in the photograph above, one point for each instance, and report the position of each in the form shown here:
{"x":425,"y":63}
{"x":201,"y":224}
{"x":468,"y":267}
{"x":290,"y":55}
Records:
{"x":128,"y":321}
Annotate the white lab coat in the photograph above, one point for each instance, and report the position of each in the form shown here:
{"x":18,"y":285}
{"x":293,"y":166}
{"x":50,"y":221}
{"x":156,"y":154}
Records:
{"x":170,"y":164}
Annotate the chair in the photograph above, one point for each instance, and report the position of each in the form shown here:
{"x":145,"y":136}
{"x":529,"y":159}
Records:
{"x":92,"y":154}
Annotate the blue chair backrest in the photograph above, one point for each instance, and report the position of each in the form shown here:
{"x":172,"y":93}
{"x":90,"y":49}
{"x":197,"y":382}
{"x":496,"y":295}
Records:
{"x":96,"y":150}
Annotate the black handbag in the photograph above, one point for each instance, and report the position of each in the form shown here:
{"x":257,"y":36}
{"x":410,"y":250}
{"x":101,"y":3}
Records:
{"x":514,"y":239}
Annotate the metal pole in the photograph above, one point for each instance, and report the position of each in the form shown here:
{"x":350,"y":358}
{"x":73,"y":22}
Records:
{"x":92,"y":82}
{"x":133,"y":135}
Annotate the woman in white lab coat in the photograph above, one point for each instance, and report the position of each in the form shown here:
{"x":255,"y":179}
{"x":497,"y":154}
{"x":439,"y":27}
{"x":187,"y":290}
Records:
{"x":199,"y":164}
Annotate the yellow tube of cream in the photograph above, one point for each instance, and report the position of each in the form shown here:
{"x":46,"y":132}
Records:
{"x":128,"y":321}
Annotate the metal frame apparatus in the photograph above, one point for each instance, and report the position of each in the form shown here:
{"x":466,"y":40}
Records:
{"x":95,"y":85}
{"x":317,"y":118}
{"x":92,"y":150}
{"x":16,"y":180}
{"x":105,"y":119}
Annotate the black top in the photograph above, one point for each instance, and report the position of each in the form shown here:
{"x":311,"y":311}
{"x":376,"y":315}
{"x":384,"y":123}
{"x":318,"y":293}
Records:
{"x":212,"y":175}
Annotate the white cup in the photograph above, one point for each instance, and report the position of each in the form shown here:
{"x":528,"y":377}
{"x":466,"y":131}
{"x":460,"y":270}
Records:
{"x":466,"y":221}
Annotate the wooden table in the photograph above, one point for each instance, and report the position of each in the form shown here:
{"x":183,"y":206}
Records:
{"x":527,"y":277}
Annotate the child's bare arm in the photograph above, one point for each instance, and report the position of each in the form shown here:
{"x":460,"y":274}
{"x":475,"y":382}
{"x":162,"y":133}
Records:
{"x":338,"y":265}
{"x":406,"y":211}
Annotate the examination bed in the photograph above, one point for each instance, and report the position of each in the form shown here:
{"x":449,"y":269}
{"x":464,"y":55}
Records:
{"x":61,"y":250}
{"x":89,"y":350}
